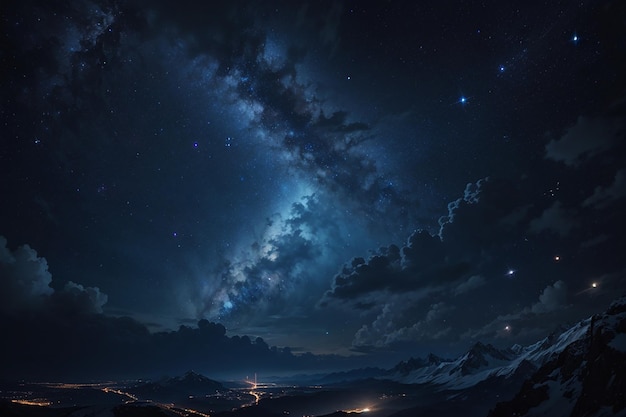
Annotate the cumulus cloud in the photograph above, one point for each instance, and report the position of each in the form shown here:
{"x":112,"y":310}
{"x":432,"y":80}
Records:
{"x":24,"y":277}
{"x":415,"y":280}
{"x":470,"y":196}
{"x":473,"y":282}
{"x":375,"y":333}
{"x":427,"y":262}
{"x":91,"y":299}
{"x":419,"y":265}
{"x":556,"y":219}
{"x":551,"y":298}
{"x":25,"y":283}
{"x":586,"y":138}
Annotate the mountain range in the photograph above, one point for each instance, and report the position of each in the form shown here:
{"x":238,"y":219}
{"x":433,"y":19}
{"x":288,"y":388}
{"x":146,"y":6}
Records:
{"x":580,"y":371}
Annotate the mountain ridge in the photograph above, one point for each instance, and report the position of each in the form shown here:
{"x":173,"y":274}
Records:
{"x":588,"y":377}
{"x":484,"y":361}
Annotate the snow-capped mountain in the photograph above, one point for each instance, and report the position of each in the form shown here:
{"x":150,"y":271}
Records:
{"x":480,"y":362}
{"x":586,"y":378}
{"x":484,"y":362}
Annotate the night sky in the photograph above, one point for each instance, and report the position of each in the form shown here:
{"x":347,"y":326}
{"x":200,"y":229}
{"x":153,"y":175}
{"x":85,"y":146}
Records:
{"x":381,"y":179}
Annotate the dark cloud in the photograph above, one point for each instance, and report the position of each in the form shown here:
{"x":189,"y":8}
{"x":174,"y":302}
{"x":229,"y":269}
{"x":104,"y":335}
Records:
{"x":526,"y":322}
{"x":55,"y":344}
{"x":393,"y":326}
{"x":555,"y":219}
{"x":603,"y":197}
{"x":79,"y":298}
{"x":551,"y":298}
{"x":473,"y":282}
{"x":63,"y":334}
{"x":26,"y":285}
{"x":418,"y":265}
{"x":438,"y":288}
{"x":428,"y":261}
{"x":587,"y":138}
{"x":25,"y":277}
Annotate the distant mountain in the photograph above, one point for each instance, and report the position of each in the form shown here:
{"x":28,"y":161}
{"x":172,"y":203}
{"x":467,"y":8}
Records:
{"x":586,"y":378}
{"x":406,"y":367}
{"x":173,"y":389}
{"x":353,"y":375}
{"x":478,"y":364}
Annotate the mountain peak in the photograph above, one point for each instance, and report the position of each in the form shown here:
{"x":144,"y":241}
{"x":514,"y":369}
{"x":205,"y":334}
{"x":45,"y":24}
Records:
{"x":190,"y":383}
{"x":481,"y":356}
{"x":193,"y":376}
{"x":584,"y":377}
{"x":434,"y":359}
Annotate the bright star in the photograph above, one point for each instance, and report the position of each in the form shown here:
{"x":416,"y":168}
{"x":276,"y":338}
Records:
{"x":507,"y":327}
{"x":510,"y":272}
{"x":462,"y":100}
{"x":501,"y":68}
{"x":594,"y":285}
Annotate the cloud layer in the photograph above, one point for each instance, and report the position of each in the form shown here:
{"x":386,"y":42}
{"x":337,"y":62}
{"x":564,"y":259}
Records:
{"x":63,"y":334}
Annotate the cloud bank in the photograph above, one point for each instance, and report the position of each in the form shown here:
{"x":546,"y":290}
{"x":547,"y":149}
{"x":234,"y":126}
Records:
{"x":62,"y":334}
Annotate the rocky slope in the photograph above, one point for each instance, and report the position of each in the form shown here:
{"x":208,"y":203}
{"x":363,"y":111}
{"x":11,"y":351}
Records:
{"x":483,"y":362}
{"x":587,"y":378}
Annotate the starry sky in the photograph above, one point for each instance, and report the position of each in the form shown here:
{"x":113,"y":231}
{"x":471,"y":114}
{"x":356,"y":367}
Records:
{"x":378,"y":179}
